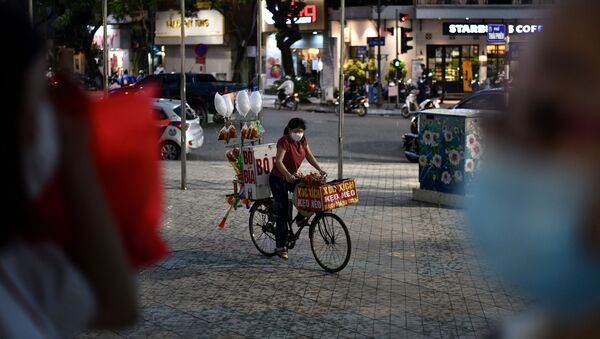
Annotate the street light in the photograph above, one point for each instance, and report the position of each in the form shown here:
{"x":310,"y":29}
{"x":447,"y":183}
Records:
{"x":105,"y":44}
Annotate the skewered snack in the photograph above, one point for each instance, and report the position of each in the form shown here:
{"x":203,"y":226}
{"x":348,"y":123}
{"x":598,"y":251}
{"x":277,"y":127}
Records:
{"x":235,"y":152}
{"x":313,"y":179}
{"x":230,"y":156}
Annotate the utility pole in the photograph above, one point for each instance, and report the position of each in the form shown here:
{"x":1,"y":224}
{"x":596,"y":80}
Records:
{"x":378,"y":53}
{"x":259,"y":66}
{"x":183,"y":106}
{"x":31,"y":12}
{"x":105,"y":44}
{"x":341,"y":91}
{"x":397,"y":32}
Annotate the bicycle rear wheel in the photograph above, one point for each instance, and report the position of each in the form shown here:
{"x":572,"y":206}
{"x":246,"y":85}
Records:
{"x":330,"y":242}
{"x":262,"y":227}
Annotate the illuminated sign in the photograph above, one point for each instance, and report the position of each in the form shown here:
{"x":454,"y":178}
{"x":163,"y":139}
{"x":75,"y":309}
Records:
{"x":482,"y":28}
{"x":204,"y":23}
{"x":311,"y":18}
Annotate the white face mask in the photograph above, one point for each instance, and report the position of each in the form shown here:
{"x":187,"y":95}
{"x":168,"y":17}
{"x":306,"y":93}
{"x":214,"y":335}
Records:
{"x":41,"y":158}
{"x":297,"y":136}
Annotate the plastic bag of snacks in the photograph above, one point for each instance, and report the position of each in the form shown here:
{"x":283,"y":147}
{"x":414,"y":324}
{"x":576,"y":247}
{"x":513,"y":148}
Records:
{"x":245,"y":131}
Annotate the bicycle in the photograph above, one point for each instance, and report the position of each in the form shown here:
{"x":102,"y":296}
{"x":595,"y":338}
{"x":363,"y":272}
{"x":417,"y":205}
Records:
{"x":323,"y":229}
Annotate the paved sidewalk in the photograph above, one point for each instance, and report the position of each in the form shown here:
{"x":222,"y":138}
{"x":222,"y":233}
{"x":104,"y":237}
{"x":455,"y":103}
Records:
{"x":411,"y":274}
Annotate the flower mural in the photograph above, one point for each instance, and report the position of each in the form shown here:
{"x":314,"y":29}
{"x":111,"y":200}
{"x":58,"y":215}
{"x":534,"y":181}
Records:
{"x":450,"y":152}
{"x":446,"y":178}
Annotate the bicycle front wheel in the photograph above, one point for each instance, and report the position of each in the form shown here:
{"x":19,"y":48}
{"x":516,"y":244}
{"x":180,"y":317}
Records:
{"x":330,"y":242}
{"x":262,"y":228}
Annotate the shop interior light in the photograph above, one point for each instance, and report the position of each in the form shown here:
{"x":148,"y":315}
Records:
{"x":314,"y":32}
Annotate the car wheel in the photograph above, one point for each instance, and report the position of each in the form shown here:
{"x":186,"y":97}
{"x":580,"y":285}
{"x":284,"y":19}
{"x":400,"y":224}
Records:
{"x":170,"y":151}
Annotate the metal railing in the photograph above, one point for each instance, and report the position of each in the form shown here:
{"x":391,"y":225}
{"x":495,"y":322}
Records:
{"x":485,"y":2}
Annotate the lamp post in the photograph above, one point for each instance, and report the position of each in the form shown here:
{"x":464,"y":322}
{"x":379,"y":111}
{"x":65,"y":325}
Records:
{"x":183,"y":106}
{"x":341,"y":93}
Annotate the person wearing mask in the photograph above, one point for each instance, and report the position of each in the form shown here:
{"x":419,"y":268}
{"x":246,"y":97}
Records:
{"x":292,"y":149}
{"x":45,"y":291}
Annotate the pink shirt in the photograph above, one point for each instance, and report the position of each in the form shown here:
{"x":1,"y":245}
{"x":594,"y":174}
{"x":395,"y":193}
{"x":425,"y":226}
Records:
{"x":294,"y":154}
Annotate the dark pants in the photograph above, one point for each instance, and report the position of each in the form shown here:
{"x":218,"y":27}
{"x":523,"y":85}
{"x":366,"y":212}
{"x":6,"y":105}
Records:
{"x":280,"y":188}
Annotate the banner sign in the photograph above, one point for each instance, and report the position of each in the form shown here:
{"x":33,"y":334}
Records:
{"x":332,"y":195}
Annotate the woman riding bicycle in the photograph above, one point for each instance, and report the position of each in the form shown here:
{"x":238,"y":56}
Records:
{"x":292,"y":149}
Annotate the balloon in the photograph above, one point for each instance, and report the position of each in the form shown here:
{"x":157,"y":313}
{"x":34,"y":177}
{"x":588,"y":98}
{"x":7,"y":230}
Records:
{"x":220,"y":105}
{"x":255,"y":102}
{"x":242,"y":102}
{"x":229,"y":106}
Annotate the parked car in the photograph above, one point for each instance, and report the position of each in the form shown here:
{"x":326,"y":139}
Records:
{"x":200,"y":90}
{"x":168,"y":115}
{"x":488,"y":99}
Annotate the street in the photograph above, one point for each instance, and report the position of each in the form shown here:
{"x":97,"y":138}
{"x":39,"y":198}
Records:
{"x":412,"y":273}
{"x":372,"y":138}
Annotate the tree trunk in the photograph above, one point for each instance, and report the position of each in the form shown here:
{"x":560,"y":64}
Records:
{"x":287,"y":62}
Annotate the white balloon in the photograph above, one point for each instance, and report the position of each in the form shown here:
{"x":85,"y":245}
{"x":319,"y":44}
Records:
{"x":255,"y":102}
{"x":229,"y":106}
{"x":242,"y":103}
{"x":220,"y":105}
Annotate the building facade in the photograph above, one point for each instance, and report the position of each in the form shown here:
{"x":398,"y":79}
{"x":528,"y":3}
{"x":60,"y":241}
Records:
{"x":450,"y":37}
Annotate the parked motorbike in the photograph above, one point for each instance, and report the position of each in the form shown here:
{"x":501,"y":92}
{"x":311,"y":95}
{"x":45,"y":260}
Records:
{"x":287,"y":101}
{"x":412,"y":106}
{"x":410,"y":141}
{"x":358,"y":104}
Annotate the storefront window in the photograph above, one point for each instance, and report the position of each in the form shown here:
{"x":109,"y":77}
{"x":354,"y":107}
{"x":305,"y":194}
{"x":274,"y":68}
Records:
{"x":495,"y":60}
{"x":454,"y":65}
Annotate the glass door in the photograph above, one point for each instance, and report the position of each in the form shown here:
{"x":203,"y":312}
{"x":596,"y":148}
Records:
{"x":445,"y":64}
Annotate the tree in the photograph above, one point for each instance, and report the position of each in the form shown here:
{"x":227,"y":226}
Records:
{"x":285,"y":14}
{"x":73,"y":23}
{"x":241,"y":26}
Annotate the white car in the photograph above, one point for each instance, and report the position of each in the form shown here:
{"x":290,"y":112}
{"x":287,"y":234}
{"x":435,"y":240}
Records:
{"x":168,"y":115}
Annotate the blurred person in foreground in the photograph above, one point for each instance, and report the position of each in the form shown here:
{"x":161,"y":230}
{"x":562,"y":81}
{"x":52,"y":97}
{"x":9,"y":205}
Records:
{"x":44,"y":292}
{"x":535,"y":211}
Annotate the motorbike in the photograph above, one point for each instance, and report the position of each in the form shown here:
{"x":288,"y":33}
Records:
{"x":412,"y":106}
{"x":358,"y":104}
{"x":410,"y":141}
{"x":287,"y":101}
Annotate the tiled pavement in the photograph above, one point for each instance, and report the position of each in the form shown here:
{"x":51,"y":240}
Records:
{"x":411,"y":275}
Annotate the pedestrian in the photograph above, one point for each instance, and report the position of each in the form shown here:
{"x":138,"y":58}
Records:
{"x":45,"y":290}
{"x":534,"y":212}
{"x":141,"y":75}
{"x":159,"y":69}
{"x":126,"y":79}
{"x":292,"y":149}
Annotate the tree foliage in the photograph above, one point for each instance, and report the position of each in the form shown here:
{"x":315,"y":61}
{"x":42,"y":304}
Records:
{"x":285,"y":14}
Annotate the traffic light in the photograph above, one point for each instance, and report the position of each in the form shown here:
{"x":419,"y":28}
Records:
{"x":403,"y":17}
{"x":390,"y":30}
{"x":396,"y":63}
{"x":405,"y":47}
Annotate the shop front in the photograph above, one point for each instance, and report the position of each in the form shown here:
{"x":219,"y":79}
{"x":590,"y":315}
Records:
{"x":119,"y":43}
{"x":458,"y":52}
{"x":204,"y":31}
{"x":307,"y":53}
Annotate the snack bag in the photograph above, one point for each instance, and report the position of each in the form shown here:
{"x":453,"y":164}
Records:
{"x":223,"y":134}
{"x":232,"y":132}
{"x":245,"y":131}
